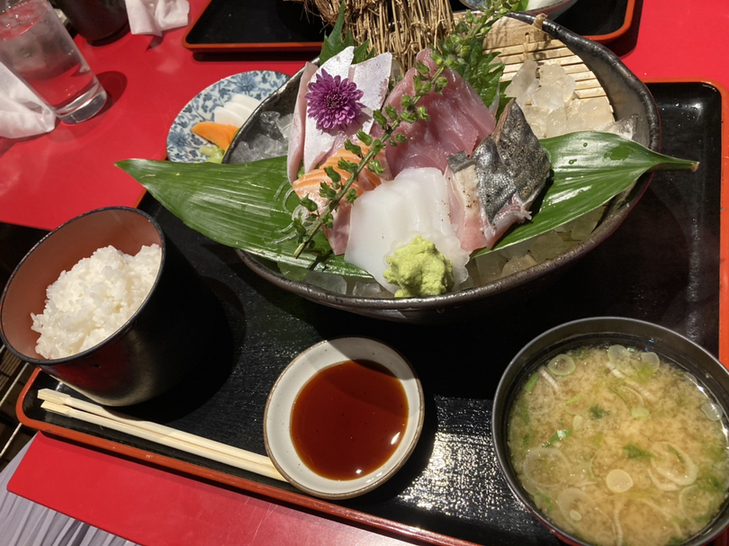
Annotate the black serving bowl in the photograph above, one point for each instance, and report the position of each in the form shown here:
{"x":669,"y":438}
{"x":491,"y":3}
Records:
{"x":669,"y":345}
{"x":179,"y":323}
{"x":628,"y":96}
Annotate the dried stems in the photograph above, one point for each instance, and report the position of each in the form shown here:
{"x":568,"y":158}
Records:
{"x":402,"y":27}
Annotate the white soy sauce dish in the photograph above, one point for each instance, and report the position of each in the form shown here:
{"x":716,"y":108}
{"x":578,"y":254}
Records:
{"x":343,"y":417}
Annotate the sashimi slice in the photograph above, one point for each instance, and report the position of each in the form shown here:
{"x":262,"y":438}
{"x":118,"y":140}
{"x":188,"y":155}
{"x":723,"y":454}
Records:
{"x":318,"y":144}
{"x":372,"y":78}
{"x":496,"y":186}
{"x":467,"y":215}
{"x":298,"y":123}
{"x":393,"y":214}
{"x":459,"y":120}
{"x":309,"y":183}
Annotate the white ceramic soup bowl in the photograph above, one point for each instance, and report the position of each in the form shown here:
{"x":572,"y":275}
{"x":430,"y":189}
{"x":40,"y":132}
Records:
{"x":278,"y":415}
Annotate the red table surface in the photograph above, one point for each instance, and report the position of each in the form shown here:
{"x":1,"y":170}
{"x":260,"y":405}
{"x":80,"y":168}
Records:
{"x":49,"y":179}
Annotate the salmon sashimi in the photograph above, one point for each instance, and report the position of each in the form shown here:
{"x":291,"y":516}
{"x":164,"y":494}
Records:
{"x":309,"y":184}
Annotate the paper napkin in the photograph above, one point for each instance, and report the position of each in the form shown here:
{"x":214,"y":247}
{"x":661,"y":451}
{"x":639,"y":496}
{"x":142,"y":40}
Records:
{"x":22,"y":113}
{"x":156,"y":16}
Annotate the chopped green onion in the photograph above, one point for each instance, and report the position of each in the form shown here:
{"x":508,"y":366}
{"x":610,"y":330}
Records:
{"x":557,"y":436}
{"x":561,"y":365}
{"x":651,"y":359}
{"x":532,"y":381}
{"x":618,"y":354}
{"x":618,"y":480}
{"x":545,"y":501}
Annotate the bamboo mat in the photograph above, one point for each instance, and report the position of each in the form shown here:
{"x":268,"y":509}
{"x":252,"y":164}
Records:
{"x":517,"y":41}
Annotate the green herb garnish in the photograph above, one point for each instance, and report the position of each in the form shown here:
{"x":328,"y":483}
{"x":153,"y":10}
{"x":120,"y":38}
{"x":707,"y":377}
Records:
{"x":334,"y":43}
{"x":632,"y":451}
{"x":597,"y":412}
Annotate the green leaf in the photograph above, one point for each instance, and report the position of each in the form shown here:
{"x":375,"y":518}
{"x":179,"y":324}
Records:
{"x":244,"y":206}
{"x":590,"y":168}
{"x":249,"y":206}
{"x":334,"y":43}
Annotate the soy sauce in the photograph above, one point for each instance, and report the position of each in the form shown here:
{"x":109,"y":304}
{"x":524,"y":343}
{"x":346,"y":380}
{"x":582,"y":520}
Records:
{"x":349,"y":419}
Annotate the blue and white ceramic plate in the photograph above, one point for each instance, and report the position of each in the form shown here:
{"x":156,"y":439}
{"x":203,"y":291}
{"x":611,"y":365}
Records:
{"x":183,"y":146}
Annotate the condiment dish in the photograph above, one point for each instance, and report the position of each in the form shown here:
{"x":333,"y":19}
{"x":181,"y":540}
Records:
{"x":692,"y":362}
{"x":280,"y":429}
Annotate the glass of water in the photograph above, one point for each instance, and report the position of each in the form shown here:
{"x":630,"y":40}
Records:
{"x":38,"y":49}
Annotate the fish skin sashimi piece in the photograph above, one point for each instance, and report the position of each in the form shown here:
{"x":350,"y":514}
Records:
{"x":318,"y":145}
{"x":459,"y":120}
{"x":372,"y":77}
{"x":309,"y":183}
{"x":296,"y":138}
{"x":496,"y":186}
{"x":311,"y":145}
{"x":393,"y":214}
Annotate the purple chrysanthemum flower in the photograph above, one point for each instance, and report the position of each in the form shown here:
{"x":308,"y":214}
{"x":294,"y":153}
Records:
{"x":333,"y":102}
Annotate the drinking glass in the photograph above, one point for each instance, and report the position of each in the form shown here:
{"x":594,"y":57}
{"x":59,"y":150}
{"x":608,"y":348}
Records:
{"x":36,"y":46}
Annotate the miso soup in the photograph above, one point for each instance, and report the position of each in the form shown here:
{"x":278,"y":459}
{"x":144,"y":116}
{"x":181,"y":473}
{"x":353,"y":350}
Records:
{"x":618,"y":446}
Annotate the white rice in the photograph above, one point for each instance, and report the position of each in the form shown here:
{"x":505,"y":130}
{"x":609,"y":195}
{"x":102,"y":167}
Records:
{"x":94,"y":299}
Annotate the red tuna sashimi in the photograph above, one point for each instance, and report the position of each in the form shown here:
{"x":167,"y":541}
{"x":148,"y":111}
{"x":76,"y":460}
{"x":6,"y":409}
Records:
{"x":459,"y":120}
{"x":309,"y":184}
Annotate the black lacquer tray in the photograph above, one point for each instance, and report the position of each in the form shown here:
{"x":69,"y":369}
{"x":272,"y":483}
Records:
{"x":254,"y":25}
{"x":281,"y":25}
{"x":601,"y":21}
{"x":662,"y":265}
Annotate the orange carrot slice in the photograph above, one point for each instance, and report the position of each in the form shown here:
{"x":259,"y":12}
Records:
{"x":218,"y":133}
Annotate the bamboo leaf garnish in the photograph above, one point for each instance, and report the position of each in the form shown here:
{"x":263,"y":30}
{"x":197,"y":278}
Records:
{"x":334,"y":42}
{"x":589,"y":169}
{"x":449,"y":53}
{"x":246,"y":206}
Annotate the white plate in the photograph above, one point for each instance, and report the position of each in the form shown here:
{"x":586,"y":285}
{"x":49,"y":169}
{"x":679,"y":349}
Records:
{"x":277,"y":417}
{"x":183,"y":146}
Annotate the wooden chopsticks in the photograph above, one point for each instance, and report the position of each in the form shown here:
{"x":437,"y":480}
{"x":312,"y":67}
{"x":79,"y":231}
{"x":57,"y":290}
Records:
{"x":69,"y":406}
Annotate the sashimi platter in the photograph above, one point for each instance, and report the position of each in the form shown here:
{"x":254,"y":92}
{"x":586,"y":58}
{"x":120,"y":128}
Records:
{"x":420,"y":187}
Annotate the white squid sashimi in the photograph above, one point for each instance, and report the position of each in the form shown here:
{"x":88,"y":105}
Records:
{"x":393,"y":214}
